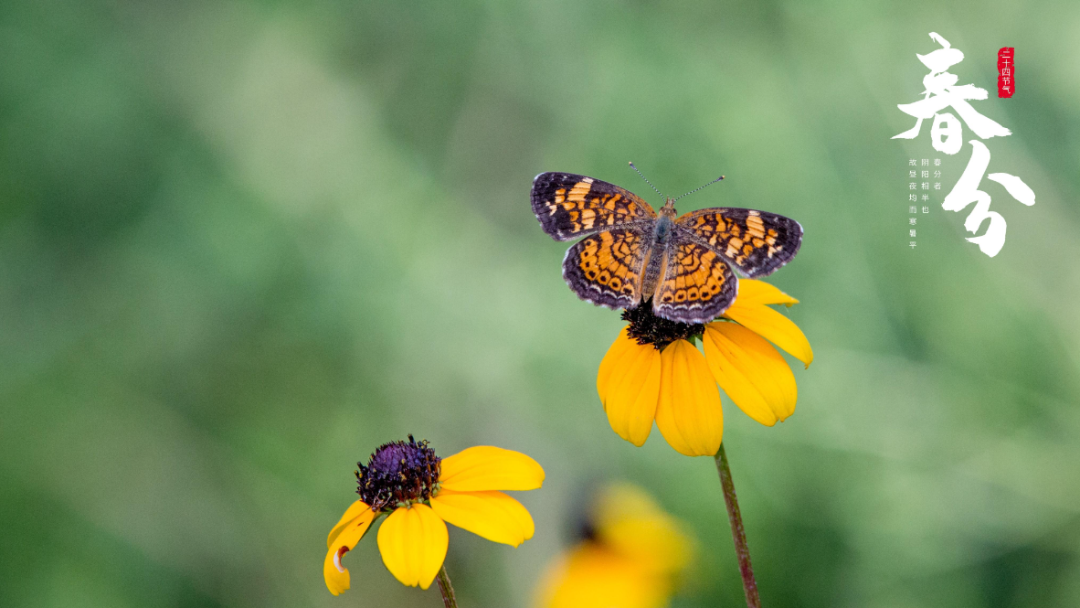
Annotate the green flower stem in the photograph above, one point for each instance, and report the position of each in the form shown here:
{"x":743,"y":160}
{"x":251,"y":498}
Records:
{"x":737,"y":531}
{"x":448,"y":599}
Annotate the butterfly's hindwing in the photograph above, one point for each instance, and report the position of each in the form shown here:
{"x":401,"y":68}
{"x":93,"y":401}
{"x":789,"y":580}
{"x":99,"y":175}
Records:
{"x":756,"y":242}
{"x":569,"y":206}
{"x":605,"y":268}
{"x":697,"y":285}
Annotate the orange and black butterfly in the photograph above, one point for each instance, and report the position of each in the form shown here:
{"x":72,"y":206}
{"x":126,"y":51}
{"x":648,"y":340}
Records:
{"x":630,"y":254}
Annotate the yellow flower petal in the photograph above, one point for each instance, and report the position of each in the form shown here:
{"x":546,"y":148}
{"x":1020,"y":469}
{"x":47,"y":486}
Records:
{"x":752,"y":291}
{"x":483,"y":468}
{"x":622,"y":346}
{"x":772,"y":326}
{"x":751,"y":372}
{"x":413,"y":542}
{"x":591,"y":576}
{"x":492,"y":515}
{"x":629,"y":386}
{"x":689,"y":414}
{"x":336,"y":575}
{"x":351,"y":513}
{"x":630,"y":522}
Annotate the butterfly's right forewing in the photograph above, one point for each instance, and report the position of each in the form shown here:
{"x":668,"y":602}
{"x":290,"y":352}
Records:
{"x":569,"y":206}
{"x":755,"y":242}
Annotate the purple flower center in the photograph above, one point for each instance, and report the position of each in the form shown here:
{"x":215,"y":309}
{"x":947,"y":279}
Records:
{"x":398,"y":473}
{"x":647,"y":328}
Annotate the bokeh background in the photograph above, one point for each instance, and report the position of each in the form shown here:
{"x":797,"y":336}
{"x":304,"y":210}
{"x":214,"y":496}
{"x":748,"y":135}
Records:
{"x":242,"y":244}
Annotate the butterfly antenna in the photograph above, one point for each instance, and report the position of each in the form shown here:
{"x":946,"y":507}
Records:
{"x":646,"y":179}
{"x":708,"y":184}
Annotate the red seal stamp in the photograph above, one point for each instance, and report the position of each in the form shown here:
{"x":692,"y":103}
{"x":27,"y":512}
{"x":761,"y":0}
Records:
{"x":1006,"y":65}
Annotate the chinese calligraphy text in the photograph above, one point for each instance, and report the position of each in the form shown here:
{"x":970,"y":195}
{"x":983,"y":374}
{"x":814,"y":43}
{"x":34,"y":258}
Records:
{"x":947,"y":136}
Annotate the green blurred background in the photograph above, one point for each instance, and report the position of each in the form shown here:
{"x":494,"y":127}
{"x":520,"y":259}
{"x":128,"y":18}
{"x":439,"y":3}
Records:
{"x":243,"y":244}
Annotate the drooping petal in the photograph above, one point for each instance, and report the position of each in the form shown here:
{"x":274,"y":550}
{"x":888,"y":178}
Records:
{"x":413,"y":542}
{"x":752,"y":291}
{"x":751,"y":372}
{"x":629,"y":386}
{"x":351,"y":513}
{"x":483,"y":467}
{"x":772,"y":326}
{"x":492,"y":515}
{"x":335,"y":574}
{"x":689,"y":414}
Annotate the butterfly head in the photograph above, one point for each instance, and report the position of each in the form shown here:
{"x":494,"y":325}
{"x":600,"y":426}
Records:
{"x":668,"y":210}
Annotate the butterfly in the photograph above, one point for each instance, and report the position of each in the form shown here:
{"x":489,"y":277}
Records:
{"x":630,"y":254}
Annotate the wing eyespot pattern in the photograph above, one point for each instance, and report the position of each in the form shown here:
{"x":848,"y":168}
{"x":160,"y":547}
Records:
{"x":606,"y":268}
{"x":697,"y":285}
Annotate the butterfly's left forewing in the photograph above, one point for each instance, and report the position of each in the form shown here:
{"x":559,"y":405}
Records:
{"x":569,"y":205}
{"x":755,"y":242}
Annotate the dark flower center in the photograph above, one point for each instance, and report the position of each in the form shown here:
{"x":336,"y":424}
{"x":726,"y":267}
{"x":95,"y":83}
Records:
{"x":586,"y":531}
{"x":647,"y":328}
{"x":398,"y":473}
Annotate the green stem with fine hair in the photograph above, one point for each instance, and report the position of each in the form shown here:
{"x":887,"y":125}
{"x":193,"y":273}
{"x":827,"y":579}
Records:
{"x":448,"y":599}
{"x":737,"y":531}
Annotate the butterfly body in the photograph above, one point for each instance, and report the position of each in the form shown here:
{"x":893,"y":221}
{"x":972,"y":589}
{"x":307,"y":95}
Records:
{"x":630,"y":254}
{"x":663,"y":233}
{"x":665,"y":224}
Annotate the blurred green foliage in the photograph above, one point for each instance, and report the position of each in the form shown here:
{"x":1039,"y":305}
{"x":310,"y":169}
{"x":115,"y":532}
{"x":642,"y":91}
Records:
{"x":242,"y":244}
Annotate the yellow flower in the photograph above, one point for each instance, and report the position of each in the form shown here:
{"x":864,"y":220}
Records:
{"x":420,"y":492}
{"x":653,"y":371}
{"x":631,"y":559}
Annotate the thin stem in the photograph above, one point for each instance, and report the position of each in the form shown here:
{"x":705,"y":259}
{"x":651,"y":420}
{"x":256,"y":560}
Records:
{"x":737,"y":531}
{"x":448,"y":599}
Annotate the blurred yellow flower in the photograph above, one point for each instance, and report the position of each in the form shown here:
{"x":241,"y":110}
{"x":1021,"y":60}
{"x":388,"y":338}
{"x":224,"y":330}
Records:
{"x":420,"y":492}
{"x":632,"y":558}
{"x":654,"y":372}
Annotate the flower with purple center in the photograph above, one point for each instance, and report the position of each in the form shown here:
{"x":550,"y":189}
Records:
{"x":419,"y":492}
{"x":654,"y":372}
